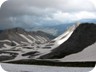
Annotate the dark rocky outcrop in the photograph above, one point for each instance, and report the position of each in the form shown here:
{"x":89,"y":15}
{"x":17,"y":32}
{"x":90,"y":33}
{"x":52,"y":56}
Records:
{"x":30,"y":53}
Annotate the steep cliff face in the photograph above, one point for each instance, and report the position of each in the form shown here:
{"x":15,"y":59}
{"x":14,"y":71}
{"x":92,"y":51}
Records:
{"x":83,"y":36}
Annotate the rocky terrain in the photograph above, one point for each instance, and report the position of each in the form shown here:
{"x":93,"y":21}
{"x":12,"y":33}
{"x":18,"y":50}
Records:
{"x":76,"y":41}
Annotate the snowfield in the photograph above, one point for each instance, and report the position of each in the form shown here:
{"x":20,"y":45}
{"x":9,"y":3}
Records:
{"x":37,"y":68}
{"x":88,"y":54}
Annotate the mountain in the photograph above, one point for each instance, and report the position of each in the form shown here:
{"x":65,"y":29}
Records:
{"x":82,"y":37}
{"x":77,"y":43}
{"x":61,"y":28}
{"x":15,"y":36}
{"x":16,"y":43}
{"x":52,"y":29}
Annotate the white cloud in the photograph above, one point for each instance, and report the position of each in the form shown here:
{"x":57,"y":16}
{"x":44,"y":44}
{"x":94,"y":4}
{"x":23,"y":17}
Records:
{"x":1,"y":2}
{"x":78,"y":5}
{"x":93,"y":2}
{"x":85,"y":15}
{"x":65,"y":16}
{"x":62,"y":16}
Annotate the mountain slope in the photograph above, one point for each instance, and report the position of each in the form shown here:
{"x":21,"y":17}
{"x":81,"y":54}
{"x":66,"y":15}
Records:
{"x":83,"y":36}
{"x":17,"y":43}
{"x":77,"y":40}
{"x":88,"y":54}
{"x":16,"y":36}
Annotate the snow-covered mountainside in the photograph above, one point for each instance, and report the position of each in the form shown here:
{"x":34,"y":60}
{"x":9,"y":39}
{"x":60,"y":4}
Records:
{"x":17,"y":44}
{"x":17,"y":36}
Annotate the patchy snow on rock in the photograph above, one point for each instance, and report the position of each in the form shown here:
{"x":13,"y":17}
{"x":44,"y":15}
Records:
{"x":16,"y":42}
{"x":64,"y":39}
{"x":4,"y":54}
{"x":7,"y":46}
{"x":5,"y":41}
{"x":32,"y":37}
{"x":26,"y":38}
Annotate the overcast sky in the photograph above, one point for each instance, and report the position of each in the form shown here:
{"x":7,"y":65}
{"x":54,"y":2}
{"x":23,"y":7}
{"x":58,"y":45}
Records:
{"x":26,"y":13}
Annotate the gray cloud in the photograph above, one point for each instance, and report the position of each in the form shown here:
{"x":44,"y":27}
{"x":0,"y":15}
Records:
{"x":65,"y":5}
{"x":26,"y":13}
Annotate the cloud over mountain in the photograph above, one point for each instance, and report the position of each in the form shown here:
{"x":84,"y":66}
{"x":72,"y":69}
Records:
{"x":24,"y":13}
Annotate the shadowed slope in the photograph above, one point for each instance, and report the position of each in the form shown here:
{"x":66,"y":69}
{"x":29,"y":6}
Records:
{"x":83,"y":36}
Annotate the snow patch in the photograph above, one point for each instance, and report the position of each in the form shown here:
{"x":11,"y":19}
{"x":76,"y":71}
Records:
{"x":5,"y":41}
{"x":64,"y":39}
{"x":26,"y":38}
{"x":37,"y":68}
